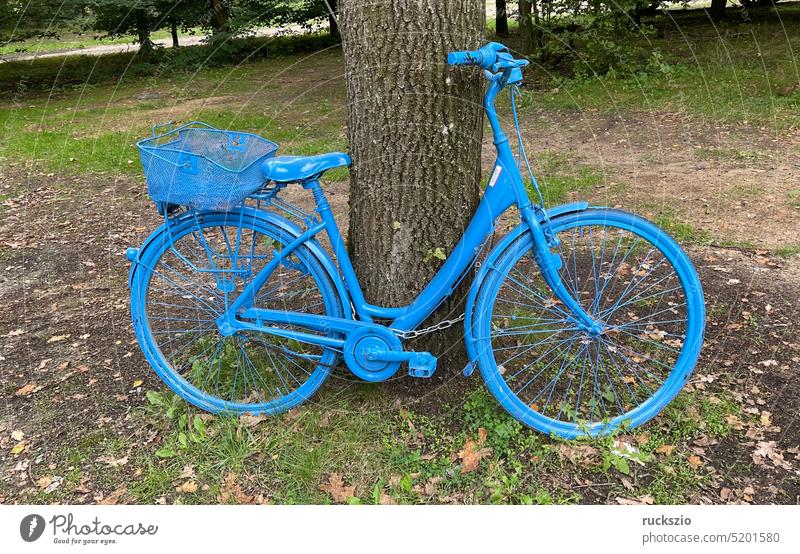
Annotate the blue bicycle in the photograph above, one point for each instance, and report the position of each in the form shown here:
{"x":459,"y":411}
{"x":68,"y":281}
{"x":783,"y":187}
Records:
{"x":582,"y":320}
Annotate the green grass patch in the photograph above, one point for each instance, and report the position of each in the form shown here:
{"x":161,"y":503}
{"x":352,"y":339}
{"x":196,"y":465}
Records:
{"x":787,"y":251}
{"x":741,"y":72}
{"x":559,"y":175}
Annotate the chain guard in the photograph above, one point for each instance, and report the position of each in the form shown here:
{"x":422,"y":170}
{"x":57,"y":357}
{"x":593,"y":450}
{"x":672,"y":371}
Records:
{"x":364,"y":340}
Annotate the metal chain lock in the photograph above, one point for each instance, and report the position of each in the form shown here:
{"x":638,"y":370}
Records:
{"x":444,"y":324}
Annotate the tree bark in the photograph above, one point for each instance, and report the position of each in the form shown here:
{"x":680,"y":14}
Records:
{"x":525,"y":26}
{"x":717,"y":9}
{"x":333,"y":26}
{"x":219,"y":16}
{"x":415,"y":128}
{"x":174,"y":32}
{"x":501,"y":17}
{"x":143,"y":33}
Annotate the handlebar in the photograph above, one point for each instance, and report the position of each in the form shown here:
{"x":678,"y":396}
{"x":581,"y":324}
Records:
{"x":492,"y":57}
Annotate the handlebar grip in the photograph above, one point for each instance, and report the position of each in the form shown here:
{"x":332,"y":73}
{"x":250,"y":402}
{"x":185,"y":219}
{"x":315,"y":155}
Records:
{"x":462,"y":58}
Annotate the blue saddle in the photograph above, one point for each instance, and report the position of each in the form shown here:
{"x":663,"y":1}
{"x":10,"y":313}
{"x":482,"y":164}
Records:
{"x":284,"y":169}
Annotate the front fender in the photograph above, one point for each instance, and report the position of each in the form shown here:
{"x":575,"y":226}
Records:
{"x":291,"y":228}
{"x":487,"y":266}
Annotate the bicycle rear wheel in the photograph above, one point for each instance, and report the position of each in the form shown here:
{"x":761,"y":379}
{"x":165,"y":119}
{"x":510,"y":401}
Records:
{"x":559,"y":379}
{"x":186,"y":279}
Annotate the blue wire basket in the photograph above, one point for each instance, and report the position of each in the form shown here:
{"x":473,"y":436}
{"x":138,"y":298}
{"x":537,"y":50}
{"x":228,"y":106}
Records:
{"x":202,"y":167}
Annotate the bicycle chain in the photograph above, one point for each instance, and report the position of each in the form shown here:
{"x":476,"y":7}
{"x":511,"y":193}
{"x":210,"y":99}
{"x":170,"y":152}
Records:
{"x":444,"y":324}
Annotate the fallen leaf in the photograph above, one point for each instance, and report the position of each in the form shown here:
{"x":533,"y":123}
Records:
{"x":766,"y":418}
{"x":189,"y":487}
{"x":337,"y":489}
{"x":18,"y":448}
{"x":705,"y":441}
{"x":665,"y":449}
{"x":137,"y":383}
{"x":28,"y":389}
{"x":386,"y":500}
{"x":57,"y":338}
{"x":473,"y":452}
{"x":114,"y":497}
{"x":734,"y":422}
{"x":232,"y":490}
{"x":694,"y":461}
{"x":249,"y":420}
{"x":17,"y":435}
{"x":187,"y":472}
{"x":55,"y":482}
{"x":113,"y":462}
{"x":44,"y":482}
{"x":580,"y":453}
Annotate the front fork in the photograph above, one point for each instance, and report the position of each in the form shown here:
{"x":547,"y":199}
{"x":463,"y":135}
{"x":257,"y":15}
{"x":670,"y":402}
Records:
{"x":549,"y":263}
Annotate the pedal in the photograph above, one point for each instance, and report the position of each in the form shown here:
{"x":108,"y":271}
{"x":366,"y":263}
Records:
{"x":421,"y":364}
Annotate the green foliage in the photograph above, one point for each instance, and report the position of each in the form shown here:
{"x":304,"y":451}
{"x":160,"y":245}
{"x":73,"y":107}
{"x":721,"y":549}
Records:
{"x":591,"y":38}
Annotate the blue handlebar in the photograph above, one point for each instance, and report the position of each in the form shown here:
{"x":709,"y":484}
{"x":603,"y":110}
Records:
{"x":461,"y":58}
{"x":492,"y":57}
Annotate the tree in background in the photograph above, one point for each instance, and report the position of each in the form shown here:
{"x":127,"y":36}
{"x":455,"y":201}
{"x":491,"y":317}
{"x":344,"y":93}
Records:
{"x":23,"y":19}
{"x":717,"y":9}
{"x":501,"y":17}
{"x":525,"y":26}
{"x":590,"y":36}
{"x":415,"y":128}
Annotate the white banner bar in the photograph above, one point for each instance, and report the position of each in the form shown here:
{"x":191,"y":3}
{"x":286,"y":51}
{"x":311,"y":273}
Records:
{"x":401,"y":529}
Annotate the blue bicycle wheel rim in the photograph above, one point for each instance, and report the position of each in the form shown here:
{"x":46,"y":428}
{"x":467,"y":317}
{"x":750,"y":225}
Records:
{"x":180,"y":385}
{"x":684,"y":365}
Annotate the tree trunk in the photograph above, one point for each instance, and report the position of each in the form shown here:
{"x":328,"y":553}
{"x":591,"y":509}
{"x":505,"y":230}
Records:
{"x":415,"y":127}
{"x":525,"y":26}
{"x":219,"y":16}
{"x":332,"y":25}
{"x":501,"y":17}
{"x":717,"y":9}
{"x":143,"y":33}
{"x":174,"y":31}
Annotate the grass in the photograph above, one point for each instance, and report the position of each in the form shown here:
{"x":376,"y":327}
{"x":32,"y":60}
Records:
{"x":399,"y":455}
{"x":735,"y":73}
{"x":728,"y":154}
{"x":787,"y":251}
{"x":94,"y":128}
{"x":794,"y":198}
{"x":74,"y":41}
{"x":559,"y":176}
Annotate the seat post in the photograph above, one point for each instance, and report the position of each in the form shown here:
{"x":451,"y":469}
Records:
{"x":339,"y":247}
{"x":319,"y":195}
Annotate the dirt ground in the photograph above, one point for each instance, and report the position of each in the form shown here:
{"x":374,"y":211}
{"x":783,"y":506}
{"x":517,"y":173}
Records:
{"x":69,"y":363}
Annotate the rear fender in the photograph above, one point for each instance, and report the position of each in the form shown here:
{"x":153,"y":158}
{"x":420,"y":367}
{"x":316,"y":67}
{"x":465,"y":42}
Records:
{"x":488,"y":265}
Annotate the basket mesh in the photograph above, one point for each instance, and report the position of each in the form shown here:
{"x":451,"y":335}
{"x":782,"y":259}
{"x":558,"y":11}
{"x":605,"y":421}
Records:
{"x":205,"y":168}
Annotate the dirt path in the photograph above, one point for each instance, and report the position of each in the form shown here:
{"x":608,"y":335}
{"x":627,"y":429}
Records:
{"x":741,"y":185}
{"x":103,"y":49}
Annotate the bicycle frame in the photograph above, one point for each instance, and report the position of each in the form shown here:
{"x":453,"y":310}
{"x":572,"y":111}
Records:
{"x":505,"y":189}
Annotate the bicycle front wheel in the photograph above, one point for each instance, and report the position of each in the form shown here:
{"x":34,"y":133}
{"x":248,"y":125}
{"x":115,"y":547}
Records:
{"x":555,"y":377}
{"x":186,"y":279}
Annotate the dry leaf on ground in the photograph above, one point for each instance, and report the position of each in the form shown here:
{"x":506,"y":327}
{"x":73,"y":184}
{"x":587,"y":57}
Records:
{"x":337,"y":489}
{"x":28,"y":389}
{"x":114,"y":497}
{"x":232,"y":490}
{"x":189,"y":487}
